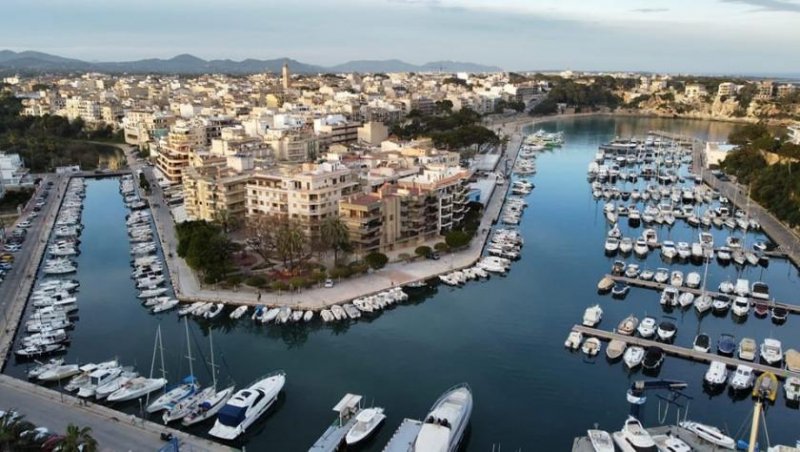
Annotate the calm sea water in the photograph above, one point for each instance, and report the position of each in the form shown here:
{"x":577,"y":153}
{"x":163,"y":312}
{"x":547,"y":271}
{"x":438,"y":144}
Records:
{"x":503,"y":336}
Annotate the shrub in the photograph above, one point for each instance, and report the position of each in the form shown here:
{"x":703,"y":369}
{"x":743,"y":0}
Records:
{"x":233,"y":280}
{"x":256,"y":281}
{"x":376,"y":260}
{"x":457,"y":239}
{"x":424,"y":251}
{"x":441,"y":247}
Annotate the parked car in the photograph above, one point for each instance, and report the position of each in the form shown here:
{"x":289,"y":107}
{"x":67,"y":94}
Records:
{"x":328,"y":283}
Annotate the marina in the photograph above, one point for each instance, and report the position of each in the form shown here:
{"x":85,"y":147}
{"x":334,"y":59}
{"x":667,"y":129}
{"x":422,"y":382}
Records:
{"x":501,"y":334}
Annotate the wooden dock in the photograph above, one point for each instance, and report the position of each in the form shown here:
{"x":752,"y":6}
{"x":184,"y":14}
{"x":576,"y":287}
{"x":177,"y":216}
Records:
{"x":582,"y":443}
{"x":403,"y":438}
{"x":794,"y":309}
{"x":682,"y":352}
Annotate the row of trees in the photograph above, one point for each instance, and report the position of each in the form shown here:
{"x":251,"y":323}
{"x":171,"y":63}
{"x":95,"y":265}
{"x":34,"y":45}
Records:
{"x":48,"y":141}
{"x":454,"y":130}
{"x":776,"y":186}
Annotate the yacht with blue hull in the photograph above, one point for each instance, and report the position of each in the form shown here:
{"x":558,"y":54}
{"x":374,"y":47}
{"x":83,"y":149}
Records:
{"x":446,"y":422}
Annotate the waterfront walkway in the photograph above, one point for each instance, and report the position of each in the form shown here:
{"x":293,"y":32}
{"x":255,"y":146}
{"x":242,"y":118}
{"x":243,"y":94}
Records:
{"x":113,"y":430}
{"x":19,"y":281}
{"x":188,"y":288}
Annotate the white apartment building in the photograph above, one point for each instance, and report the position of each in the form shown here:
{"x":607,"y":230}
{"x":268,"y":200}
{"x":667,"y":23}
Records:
{"x":13,"y":173}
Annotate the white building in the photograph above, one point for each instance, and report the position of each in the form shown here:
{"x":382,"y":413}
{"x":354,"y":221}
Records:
{"x":13,"y":173}
{"x":794,"y":133}
{"x":716,"y":153}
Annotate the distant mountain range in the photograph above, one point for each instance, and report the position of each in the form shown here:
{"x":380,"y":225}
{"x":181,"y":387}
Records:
{"x":31,"y":61}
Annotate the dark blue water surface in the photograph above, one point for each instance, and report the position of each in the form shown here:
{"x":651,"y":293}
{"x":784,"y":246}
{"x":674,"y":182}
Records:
{"x":503,"y":336}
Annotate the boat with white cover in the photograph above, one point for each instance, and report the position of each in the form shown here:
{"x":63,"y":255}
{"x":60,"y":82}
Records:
{"x":367,"y":421}
{"x":446,"y":422}
{"x":633,"y":437}
{"x":710,"y":434}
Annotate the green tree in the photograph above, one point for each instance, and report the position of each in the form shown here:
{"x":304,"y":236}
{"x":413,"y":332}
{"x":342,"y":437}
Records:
{"x":335,"y":236}
{"x":291,"y":243}
{"x":423,"y":251}
{"x":376,"y":260}
{"x":457,"y":239}
{"x":78,"y":439}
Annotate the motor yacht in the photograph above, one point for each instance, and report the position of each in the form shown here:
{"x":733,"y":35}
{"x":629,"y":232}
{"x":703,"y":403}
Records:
{"x":247,"y":405}
{"x":742,"y":378}
{"x":445,"y":423}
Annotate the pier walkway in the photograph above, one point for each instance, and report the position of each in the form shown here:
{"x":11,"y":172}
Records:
{"x":113,"y":430}
{"x":661,"y":286}
{"x":681,"y":352}
{"x":583,"y":444}
{"x":188,"y":288}
{"x":403,"y":438}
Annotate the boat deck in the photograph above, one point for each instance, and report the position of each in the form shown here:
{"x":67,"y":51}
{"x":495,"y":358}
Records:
{"x":403,"y":438}
{"x":635,"y":282}
{"x":333,"y":438}
{"x":682,"y":352}
{"x":582,"y":443}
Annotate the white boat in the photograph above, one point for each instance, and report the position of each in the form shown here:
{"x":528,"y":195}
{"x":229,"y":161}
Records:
{"x":173,"y":395}
{"x":601,"y":440}
{"x":792,"y":389}
{"x":647,"y":327}
{"x":747,"y":349}
{"x":137,"y":387}
{"x":668,"y":250}
{"x":270,"y":315}
{"x":55,"y":371}
{"x":666,"y":330}
{"x":742,"y":378}
{"x":183,"y":407}
{"x":640,"y":248}
{"x":742,"y":287}
{"x":104,"y":390}
{"x":445,"y":423}
{"x":591,"y":346}
{"x":239,"y":312}
{"x":710,"y":434}
{"x":669,"y":296}
{"x":669,"y":443}
{"x":247,"y":405}
{"x":367,"y":420}
{"x":214,"y":311}
{"x":592,"y":315}
{"x":574,"y":340}
{"x":633,"y":437}
{"x":676,"y":278}
{"x":308,"y":315}
{"x":771,"y":351}
{"x":716,"y":374}
{"x":661,"y":276}
{"x":741,"y":306}
{"x":693,"y":280}
{"x":633,"y":356}
{"x":165,"y":305}
{"x":208,"y":407}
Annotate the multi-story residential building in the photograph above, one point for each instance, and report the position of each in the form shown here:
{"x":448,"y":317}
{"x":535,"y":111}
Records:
{"x":372,"y":133}
{"x":143,"y":126}
{"x":183,"y":140}
{"x":794,"y":133}
{"x":13,"y":173}
{"x":214,"y":126}
{"x":695,"y":90}
{"x":413,"y":211}
{"x":765,"y":90}
{"x":727,"y":89}
{"x":786,"y":90}
{"x":307,"y":193}
{"x":292,"y":145}
{"x":210,"y":190}
{"x":335,"y":129}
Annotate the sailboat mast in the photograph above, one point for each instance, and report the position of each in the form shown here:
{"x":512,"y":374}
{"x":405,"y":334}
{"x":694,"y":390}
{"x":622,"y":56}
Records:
{"x":189,"y":347}
{"x":161,"y":349}
{"x":751,"y":446}
{"x":155,"y":348}
{"x":213,"y":367}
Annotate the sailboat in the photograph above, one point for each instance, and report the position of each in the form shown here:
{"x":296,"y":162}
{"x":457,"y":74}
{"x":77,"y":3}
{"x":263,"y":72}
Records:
{"x":140,"y":386}
{"x":186,"y":388}
{"x":208,"y":406}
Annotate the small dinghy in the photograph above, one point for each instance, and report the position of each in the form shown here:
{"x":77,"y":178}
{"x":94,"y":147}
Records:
{"x":628,"y":325}
{"x":702,"y":343}
{"x":653,"y":358}
{"x":633,"y":356}
{"x":591,"y":346}
{"x":747,"y":349}
{"x":615,"y":349}
{"x":647,"y":327}
{"x":766,"y":386}
{"x":574,"y":340}
{"x":726,"y":344}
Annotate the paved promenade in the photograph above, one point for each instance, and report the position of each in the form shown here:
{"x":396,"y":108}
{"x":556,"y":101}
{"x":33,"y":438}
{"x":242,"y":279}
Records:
{"x":113,"y":430}
{"x":19,"y":281}
{"x":188,"y":288}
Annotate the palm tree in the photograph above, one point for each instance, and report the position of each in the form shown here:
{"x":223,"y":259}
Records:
{"x":335,"y":236}
{"x":78,"y":439}
{"x":11,"y":425}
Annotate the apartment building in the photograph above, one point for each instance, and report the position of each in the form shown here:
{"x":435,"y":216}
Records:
{"x":372,"y":133}
{"x":308,"y":193}
{"x":335,"y":129}
{"x":292,"y":145}
{"x":413,"y":211}
{"x":786,"y":90}
{"x":794,"y":133}
{"x":144,"y":126}
{"x":173,"y":155}
{"x":765,"y":90}
{"x":695,"y":90}
{"x":13,"y":173}
{"x":727,"y":89}
{"x":212,"y":189}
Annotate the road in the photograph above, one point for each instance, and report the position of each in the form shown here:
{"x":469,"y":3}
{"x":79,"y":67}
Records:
{"x":14,"y":290}
{"x":113,"y":430}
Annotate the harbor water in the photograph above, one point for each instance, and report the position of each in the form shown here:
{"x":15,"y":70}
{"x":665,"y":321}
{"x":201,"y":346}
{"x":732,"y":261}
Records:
{"x":503,"y":336}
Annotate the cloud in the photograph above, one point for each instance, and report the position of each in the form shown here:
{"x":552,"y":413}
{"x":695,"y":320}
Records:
{"x":650,"y":10}
{"x":770,"y":5}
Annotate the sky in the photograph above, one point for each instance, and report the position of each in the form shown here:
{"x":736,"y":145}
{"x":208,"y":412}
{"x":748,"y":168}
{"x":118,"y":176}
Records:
{"x":691,"y":36}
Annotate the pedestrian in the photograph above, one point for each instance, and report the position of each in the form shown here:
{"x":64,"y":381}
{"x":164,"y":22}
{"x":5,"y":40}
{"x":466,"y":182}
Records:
{"x":259,"y":295}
